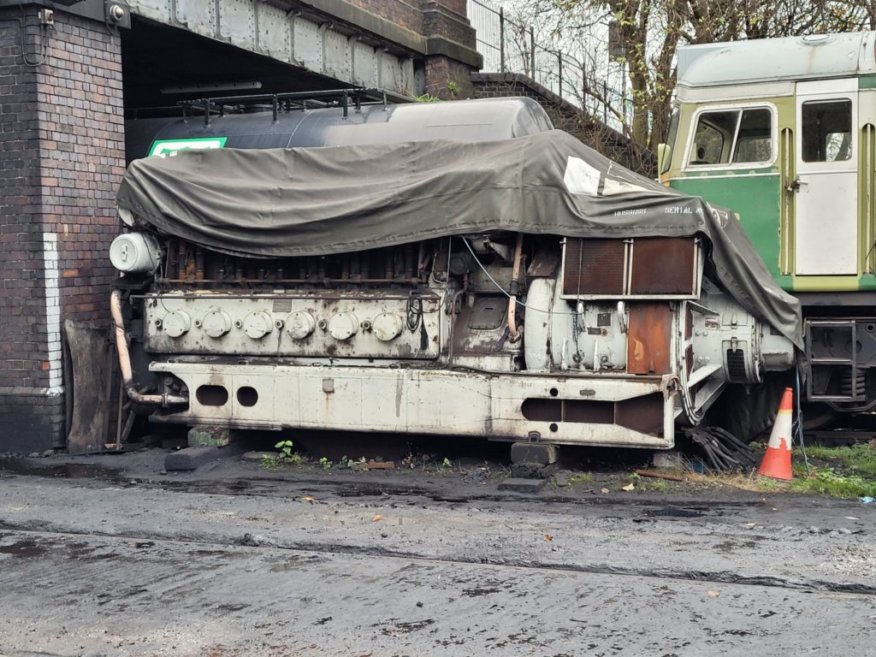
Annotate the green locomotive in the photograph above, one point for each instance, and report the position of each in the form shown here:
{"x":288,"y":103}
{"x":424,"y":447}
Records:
{"x":783,"y":131}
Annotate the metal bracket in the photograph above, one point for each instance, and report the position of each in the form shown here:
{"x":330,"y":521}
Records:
{"x":115,"y":13}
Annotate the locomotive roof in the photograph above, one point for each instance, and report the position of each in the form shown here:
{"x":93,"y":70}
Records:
{"x":776,"y":60}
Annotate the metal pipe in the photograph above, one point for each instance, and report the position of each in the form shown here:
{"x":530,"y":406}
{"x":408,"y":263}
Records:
{"x":514,"y":334}
{"x":501,"y":39}
{"x":163,"y":400}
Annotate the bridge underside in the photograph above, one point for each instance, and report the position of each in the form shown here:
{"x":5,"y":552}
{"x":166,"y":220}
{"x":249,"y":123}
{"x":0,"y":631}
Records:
{"x":162,"y":65}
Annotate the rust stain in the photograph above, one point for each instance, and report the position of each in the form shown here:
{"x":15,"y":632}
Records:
{"x":672,"y":257}
{"x":649,"y":338}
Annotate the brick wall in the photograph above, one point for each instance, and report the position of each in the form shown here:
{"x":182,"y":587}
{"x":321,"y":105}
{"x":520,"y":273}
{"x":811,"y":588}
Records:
{"x":404,"y":13}
{"x":82,"y":159}
{"x":448,"y":79}
{"x":61,"y":157}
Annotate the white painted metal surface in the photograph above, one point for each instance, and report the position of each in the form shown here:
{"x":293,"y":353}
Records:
{"x":135,"y":252}
{"x":826,"y":231}
{"x":356,"y":325}
{"x":414,"y":401}
{"x":769,"y":60}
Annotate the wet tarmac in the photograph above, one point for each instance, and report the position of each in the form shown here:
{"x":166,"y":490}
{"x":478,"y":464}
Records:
{"x":107,"y":556}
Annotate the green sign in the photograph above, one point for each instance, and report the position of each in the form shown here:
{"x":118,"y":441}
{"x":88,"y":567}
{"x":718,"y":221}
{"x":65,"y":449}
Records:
{"x":170,"y":147}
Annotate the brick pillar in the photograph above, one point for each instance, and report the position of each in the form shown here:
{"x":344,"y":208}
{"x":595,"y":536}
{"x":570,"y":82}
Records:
{"x":61,"y":158}
{"x":451,"y":49}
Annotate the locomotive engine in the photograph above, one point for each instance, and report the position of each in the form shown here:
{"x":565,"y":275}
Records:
{"x":521,"y":288}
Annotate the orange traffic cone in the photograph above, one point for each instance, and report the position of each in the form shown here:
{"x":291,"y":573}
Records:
{"x":776,"y":462}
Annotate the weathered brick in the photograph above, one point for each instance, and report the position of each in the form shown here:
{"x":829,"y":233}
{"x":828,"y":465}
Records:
{"x":63,"y":157}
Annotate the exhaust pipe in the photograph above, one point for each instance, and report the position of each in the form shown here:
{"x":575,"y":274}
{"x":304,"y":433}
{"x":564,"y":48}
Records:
{"x":134,"y":395}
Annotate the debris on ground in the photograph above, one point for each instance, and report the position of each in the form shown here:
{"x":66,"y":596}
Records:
{"x":380,"y":465}
{"x":721,"y":450}
{"x":659,"y":475}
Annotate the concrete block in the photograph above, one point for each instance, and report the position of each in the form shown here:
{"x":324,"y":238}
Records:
{"x":517,"y":485}
{"x":668,"y":460}
{"x":206,"y":436}
{"x":533,"y":453}
{"x":192,"y":458}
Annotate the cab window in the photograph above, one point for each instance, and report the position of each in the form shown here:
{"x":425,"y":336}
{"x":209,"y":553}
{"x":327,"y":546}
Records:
{"x":827,"y":130}
{"x":732,"y":136}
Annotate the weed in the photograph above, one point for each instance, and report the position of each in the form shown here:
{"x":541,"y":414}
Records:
{"x":768,"y":485}
{"x":857,"y":459}
{"x":828,"y":482}
{"x":657,"y":485}
{"x":580,"y":478}
{"x":352,"y":464}
{"x":286,"y":456}
{"x":446,"y":464}
{"x":286,"y":453}
{"x":325,"y":464}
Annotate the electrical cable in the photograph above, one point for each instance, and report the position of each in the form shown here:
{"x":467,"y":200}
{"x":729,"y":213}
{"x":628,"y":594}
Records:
{"x":798,"y":423}
{"x":44,"y":47}
{"x":503,"y":291}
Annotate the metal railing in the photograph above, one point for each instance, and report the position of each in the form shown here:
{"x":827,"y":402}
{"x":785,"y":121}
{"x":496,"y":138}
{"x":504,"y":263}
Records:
{"x":510,"y":47}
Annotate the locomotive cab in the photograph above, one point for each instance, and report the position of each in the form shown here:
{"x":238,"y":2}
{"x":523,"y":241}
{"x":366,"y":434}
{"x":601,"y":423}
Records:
{"x":790,"y":147}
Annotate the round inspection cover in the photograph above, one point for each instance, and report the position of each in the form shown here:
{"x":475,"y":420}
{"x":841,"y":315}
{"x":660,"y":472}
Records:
{"x":177,"y":323}
{"x":343,"y":326}
{"x":387,"y":327}
{"x":216,"y":323}
{"x":258,"y":324}
{"x":300,"y":324}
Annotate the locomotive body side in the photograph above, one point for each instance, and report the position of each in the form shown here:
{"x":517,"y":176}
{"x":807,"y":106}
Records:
{"x":783,"y":131}
{"x":512,"y":285}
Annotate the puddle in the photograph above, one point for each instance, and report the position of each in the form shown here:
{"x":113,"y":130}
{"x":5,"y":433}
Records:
{"x":27,"y":548}
{"x":59,"y":470}
{"x":673,"y":512}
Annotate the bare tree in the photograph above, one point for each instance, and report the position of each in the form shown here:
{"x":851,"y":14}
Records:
{"x":652,"y":30}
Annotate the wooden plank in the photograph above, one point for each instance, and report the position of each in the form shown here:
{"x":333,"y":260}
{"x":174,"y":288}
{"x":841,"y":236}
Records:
{"x":91,"y":355}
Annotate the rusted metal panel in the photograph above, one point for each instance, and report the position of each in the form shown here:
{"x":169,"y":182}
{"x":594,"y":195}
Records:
{"x":593,"y":267}
{"x":663,"y":265}
{"x":649,"y":338}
